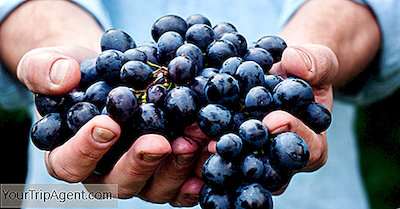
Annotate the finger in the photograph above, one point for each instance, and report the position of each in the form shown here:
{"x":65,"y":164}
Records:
{"x":188,"y":195}
{"x":317,"y":64}
{"x":137,"y":165}
{"x":77,"y":158}
{"x":281,"y":121}
{"x":172,"y":172}
{"x":52,"y":70}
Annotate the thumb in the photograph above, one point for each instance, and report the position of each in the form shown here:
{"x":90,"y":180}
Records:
{"x":317,"y":64}
{"x":52,"y":70}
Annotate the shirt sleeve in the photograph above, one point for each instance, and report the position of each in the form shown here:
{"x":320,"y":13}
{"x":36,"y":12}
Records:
{"x":94,"y":7}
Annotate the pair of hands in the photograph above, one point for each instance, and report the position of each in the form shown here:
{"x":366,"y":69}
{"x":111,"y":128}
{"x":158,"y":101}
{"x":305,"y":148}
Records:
{"x":153,"y":168}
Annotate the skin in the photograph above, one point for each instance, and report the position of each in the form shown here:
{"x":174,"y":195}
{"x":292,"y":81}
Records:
{"x":320,"y":37}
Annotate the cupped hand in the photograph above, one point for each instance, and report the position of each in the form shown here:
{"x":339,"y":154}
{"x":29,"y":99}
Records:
{"x":153,"y":168}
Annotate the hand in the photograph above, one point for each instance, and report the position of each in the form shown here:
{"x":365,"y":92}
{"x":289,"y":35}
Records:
{"x":153,"y":168}
{"x":318,"y":65}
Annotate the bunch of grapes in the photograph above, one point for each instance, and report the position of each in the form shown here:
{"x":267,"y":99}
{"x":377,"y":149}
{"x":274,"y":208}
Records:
{"x":193,"y":73}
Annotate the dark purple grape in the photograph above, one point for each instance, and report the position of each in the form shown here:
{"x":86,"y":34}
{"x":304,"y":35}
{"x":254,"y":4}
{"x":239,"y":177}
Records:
{"x":181,"y":106}
{"x":134,"y":54}
{"x":259,"y":102}
{"x":238,"y":40}
{"x":108,"y":64}
{"x":151,"y":53}
{"x":79,"y":114}
{"x":89,"y":73}
{"x":218,"y":51}
{"x":317,"y":117}
{"x":156,"y":94}
{"x":182,"y":69}
{"x":238,"y":118}
{"x":197,"y":19}
{"x":254,"y":134}
{"x":77,"y":96}
{"x":274,"y":178}
{"x":208,"y":199}
{"x":293,"y":95}
{"x":253,"y":196}
{"x":274,"y":45}
{"x":261,"y":56}
{"x":214,"y":120}
{"x":219,"y":174}
{"x":223,"y":27}
{"x":271,"y":80}
{"x":136,"y":74}
{"x":208,"y":72}
{"x":46,"y":104}
{"x":230,"y":65}
{"x":168,"y":23}
{"x":117,"y":39}
{"x":193,"y":52}
{"x":198,"y":85}
{"x":229,"y":146}
{"x":121,"y":104}
{"x":97,"y":94}
{"x":150,"y":119}
{"x":223,"y":89}
{"x":249,"y":74}
{"x":168,"y":43}
{"x":200,"y":35}
{"x":289,"y":151}
{"x":252,"y":168}
{"x":50,"y":132}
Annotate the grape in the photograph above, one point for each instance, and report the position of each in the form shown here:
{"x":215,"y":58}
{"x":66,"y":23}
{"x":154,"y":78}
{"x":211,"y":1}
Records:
{"x":253,"y":196}
{"x":79,"y":114}
{"x":193,"y":52}
{"x":108,"y":64}
{"x":134,"y":54}
{"x":210,"y":199}
{"x":200,"y":35}
{"x":261,"y":56}
{"x":230,"y":65}
{"x":274,"y":45}
{"x":182,"y":69}
{"x":271,"y":80}
{"x":223,"y":89}
{"x":156,"y":94}
{"x":224,"y":27}
{"x":46,"y":104}
{"x":238,"y":40}
{"x":197,"y":19}
{"x":151,"y":52}
{"x":117,"y":39}
{"x":121,"y":104}
{"x":214,"y":120}
{"x":218,"y":51}
{"x":168,"y":23}
{"x":89,"y":74}
{"x":249,"y":74}
{"x":273,"y":179}
{"x":219,"y":174}
{"x":293,"y":95}
{"x":167,"y":45}
{"x":252,"y":168}
{"x":136,"y":74}
{"x":254,"y":134}
{"x":198,"y":85}
{"x":49,"y":132}
{"x":150,"y":119}
{"x":97,"y":94}
{"x":317,"y":117}
{"x":229,"y":146}
{"x":208,"y":72}
{"x":290,"y":151}
{"x":259,"y":102}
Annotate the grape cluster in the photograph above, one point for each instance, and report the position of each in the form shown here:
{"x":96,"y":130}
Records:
{"x":193,"y":73}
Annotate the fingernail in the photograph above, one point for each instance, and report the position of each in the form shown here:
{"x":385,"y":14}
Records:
{"x":102,"y":135}
{"x":306,"y":58}
{"x":58,"y":70}
{"x":184,"y":159}
{"x":152,"y":157}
